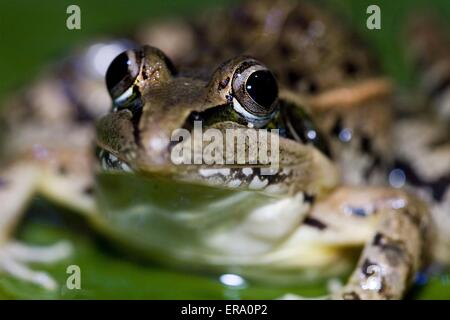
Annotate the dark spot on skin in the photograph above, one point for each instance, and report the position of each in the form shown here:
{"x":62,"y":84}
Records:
{"x":136,"y":109}
{"x":412,"y":217}
{"x":301,"y":21}
{"x":236,"y":44}
{"x":313,"y":88}
{"x":62,"y":170}
{"x":377,"y":240}
{"x":350,"y":68}
{"x":440,"y":88}
{"x":223,"y":84}
{"x":366,"y":144}
{"x":3,"y":183}
{"x":337,"y":127}
{"x":376,"y":163}
{"x":309,"y":198}
{"x":439,"y":142}
{"x":358,"y":211}
{"x":242,"y":16}
{"x":299,"y":123}
{"x":394,"y":250}
{"x":388,"y":244}
{"x":285,"y":50}
{"x":314,"y":223}
{"x":294,"y":77}
{"x":438,"y":187}
{"x":366,"y":266}
{"x":351,"y":296}
{"x":89,"y":190}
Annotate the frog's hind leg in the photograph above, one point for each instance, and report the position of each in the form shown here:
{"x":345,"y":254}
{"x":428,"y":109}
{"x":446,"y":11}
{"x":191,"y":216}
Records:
{"x":18,"y":183}
{"x":395,"y":228}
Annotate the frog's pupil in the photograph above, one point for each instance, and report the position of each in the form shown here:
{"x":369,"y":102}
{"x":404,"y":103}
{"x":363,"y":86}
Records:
{"x":117,"y":70}
{"x":262,"y":88}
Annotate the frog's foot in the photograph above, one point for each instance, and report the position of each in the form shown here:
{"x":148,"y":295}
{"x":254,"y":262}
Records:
{"x":395,"y":228}
{"x":15,"y":257}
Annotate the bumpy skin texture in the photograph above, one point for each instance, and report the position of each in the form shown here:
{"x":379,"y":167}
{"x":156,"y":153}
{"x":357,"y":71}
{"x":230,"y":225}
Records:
{"x":320,"y":66}
{"x":317,"y":61}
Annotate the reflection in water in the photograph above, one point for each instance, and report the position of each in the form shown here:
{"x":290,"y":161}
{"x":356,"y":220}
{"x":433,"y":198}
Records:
{"x":232,"y":280}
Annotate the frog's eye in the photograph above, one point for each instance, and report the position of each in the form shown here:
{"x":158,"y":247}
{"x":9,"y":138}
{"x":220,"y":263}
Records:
{"x":256,"y":92}
{"x":121,"y":75}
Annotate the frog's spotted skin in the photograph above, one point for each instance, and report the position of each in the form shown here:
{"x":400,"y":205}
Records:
{"x":423,"y":137}
{"x":321,"y":69}
{"x":47,"y":148}
{"x":316,"y":60}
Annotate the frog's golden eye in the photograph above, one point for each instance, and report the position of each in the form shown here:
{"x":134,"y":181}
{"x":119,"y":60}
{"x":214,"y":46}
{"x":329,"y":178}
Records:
{"x":121,"y":75}
{"x":256,"y":92}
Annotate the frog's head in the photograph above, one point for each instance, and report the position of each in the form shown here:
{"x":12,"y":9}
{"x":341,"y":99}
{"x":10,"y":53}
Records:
{"x":152,"y":104}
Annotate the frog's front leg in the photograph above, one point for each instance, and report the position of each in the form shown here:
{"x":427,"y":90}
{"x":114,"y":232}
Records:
{"x":18,"y":183}
{"x":395,"y":228}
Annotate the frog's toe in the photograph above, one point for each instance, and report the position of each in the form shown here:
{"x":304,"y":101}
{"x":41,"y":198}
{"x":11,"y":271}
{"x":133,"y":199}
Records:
{"x":15,"y":256}
{"x":48,"y":254}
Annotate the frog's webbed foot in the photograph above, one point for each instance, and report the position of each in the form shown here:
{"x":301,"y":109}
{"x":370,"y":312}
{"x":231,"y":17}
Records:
{"x":395,"y":228}
{"x":18,"y":183}
{"x":15,"y":257}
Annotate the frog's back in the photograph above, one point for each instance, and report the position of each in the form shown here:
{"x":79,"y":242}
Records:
{"x":316,"y":59}
{"x":309,"y":49}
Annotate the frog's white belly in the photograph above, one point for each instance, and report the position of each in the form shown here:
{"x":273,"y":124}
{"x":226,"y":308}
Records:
{"x":261,"y":229}
{"x":270,"y":234}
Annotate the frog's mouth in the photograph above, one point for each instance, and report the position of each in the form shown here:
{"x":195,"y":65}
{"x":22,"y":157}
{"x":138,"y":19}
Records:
{"x":300,"y":176}
{"x":242,"y":177}
{"x":298,"y":165}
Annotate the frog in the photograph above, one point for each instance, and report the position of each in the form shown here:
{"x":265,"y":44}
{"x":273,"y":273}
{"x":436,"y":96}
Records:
{"x":318,"y":82}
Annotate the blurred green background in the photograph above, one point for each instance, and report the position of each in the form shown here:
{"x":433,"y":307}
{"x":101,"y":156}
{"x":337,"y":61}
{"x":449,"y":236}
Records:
{"x":33,"y":33}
